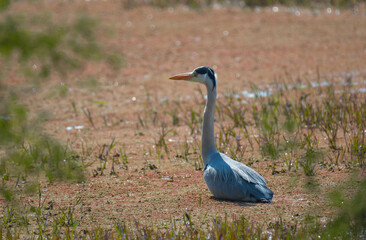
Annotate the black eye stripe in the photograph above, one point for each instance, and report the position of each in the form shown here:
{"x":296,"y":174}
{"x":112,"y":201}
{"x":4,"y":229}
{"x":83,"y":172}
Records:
{"x":209,"y":72}
{"x":201,"y":70}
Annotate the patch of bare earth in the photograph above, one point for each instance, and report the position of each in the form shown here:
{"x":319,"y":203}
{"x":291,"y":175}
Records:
{"x":244,"y":47}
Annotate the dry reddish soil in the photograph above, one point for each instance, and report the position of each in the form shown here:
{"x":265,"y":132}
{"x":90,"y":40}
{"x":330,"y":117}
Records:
{"x":244,"y":47}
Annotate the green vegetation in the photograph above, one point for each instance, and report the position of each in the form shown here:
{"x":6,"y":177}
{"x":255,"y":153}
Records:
{"x":299,"y":127}
{"x":27,"y":152}
{"x":37,"y":46}
{"x":34,"y":48}
{"x":348,"y":224}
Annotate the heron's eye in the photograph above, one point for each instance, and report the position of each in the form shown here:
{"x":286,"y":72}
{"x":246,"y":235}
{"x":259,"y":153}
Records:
{"x":195,"y":74}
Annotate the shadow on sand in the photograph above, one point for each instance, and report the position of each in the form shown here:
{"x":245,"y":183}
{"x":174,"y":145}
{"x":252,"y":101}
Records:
{"x":239,"y":203}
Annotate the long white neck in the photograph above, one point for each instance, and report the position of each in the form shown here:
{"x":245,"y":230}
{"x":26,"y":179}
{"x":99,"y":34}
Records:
{"x":208,"y":136}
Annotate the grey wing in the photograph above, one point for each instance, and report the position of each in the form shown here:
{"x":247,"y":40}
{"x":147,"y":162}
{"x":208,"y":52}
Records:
{"x":244,"y":171}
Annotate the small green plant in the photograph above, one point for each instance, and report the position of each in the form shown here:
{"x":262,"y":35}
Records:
{"x":358,"y":150}
{"x":103,"y":154}
{"x":89,"y":116}
{"x":27,"y":153}
{"x":193,"y":121}
{"x":198,"y":164}
{"x":174,"y":113}
{"x":123,"y":156}
{"x":311,"y":155}
{"x":89,"y":82}
{"x":73,"y":104}
{"x":266,"y":117}
{"x":185,"y":150}
{"x":141,"y":121}
{"x":161,"y":143}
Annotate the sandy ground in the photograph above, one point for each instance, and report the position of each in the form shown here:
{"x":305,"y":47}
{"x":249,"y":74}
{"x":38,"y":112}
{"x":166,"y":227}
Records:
{"x":244,"y":48}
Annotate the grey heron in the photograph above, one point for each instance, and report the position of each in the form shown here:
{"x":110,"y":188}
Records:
{"x":226,"y":178}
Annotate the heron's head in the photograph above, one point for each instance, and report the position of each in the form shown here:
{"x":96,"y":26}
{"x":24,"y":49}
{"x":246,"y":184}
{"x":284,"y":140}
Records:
{"x":204,"y":75}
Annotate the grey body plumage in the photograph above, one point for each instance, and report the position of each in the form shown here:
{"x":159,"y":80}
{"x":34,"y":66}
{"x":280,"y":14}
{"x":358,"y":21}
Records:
{"x":232,"y":180}
{"x":226,"y":178}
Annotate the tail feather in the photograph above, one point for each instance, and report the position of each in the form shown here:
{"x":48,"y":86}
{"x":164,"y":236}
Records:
{"x":261,"y":193}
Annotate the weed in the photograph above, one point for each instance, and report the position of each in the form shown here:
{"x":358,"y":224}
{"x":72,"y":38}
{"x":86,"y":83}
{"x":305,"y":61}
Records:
{"x":141,"y":121}
{"x":89,"y":116}
{"x":198,"y":164}
{"x":123,"y":156}
{"x":348,"y":223}
{"x":311,"y":155}
{"x":193,"y":121}
{"x":106,"y":124}
{"x":185,"y":150}
{"x":85,"y":149}
{"x":331,"y":117}
{"x":161,"y":143}
{"x":100,"y":103}
{"x":224,"y":137}
{"x":358,"y":150}
{"x":159,"y":154}
{"x":236,"y":112}
{"x":73,"y":104}
{"x":245,"y":131}
{"x":266,"y":118}
{"x":174,"y":114}
{"x":175,"y":118}
{"x":103,"y":153}
{"x":90,"y":82}
{"x":291,"y":161}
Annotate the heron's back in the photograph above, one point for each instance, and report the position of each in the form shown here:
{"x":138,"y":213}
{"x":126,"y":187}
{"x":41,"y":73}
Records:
{"x":232,"y":180}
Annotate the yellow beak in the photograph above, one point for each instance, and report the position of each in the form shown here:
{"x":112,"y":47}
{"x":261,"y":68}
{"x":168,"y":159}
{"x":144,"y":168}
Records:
{"x":183,"y":76}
